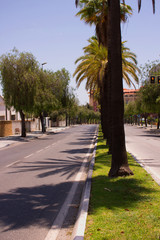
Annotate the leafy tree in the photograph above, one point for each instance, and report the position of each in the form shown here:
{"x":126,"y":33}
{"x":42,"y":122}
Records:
{"x":129,"y":111}
{"x":45,"y":100}
{"x":149,"y":95}
{"x":87,"y":115}
{"x":64,"y":94}
{"x":72,"y":106}
{"x":19,"y":82}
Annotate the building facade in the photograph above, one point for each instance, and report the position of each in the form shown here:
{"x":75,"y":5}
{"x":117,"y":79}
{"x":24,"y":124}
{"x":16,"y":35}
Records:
{"x":129,"y":95}
{"x":7,"y":114}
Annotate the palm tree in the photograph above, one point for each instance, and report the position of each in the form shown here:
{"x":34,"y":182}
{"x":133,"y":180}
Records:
{"x":94,"y":61}
{"x":92,"y":67}
{"x":153,"y":4}
{"x":119,"y":156}
{"x":119,"y":164}
{"x":103,"y":31}
{"x":129,"y":67}
{"x":96,"y":12}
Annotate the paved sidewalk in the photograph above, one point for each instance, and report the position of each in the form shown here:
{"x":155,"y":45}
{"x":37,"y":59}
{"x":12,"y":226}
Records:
{"x":7,"y":141}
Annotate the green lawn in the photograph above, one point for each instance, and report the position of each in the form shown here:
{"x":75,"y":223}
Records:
{"x":123,"y":207}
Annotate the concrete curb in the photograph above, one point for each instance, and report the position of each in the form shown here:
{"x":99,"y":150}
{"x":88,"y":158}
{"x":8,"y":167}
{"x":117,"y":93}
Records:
{"x":79,"y":228}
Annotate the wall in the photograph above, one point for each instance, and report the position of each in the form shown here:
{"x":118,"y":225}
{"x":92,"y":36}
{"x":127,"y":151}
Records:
{"x":5,"y":128}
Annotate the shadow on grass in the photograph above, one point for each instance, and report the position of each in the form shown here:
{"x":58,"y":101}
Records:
{"x":121,"y":192}
{"x":124,"y":193}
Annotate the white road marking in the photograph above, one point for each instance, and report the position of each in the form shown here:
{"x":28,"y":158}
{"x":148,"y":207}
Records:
{"x":39,"y":151}
{"x":57,"y":224}
{"x":29,"y":156}
{"x":47,"y":147}
{"x":9,"y":165}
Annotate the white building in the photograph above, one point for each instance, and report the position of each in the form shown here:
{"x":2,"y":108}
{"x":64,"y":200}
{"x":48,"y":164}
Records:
{"x":7,"y":114}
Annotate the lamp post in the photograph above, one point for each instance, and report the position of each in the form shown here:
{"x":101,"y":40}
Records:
{"x":43,"y":64}
{"x":43,"y":119}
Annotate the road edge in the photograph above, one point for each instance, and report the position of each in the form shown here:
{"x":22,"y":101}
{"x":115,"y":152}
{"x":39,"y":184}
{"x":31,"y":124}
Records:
{"x":152,"y":173}
{"x":58,"y":222}
{"x":80,"y":225}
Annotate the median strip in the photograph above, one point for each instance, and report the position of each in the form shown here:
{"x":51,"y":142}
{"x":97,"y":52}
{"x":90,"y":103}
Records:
{"x":123,"y":207}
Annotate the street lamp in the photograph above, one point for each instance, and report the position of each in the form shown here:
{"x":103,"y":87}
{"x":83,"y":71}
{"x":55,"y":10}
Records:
{"x":43,"y":64}
{"x":44,"y":120}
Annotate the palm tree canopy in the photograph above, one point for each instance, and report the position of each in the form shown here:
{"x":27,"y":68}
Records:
{"x":93,"y":63}
{"x":93,"y":12}
{"x":139,"y":5}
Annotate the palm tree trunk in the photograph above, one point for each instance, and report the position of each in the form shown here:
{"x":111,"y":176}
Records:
{"x":23,"y":125}
{"x":102,"y":112}
{"x":107,"y":110}
{"x":119,"y":165}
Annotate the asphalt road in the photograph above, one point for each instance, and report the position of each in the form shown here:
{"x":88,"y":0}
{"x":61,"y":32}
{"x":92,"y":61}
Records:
{"x":144,"y":144}
{"x":39,"y":180}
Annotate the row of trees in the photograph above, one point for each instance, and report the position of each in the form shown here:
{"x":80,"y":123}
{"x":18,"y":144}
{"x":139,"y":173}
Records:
{"x":38,"y":93}
{"x":104,"y":63}
{"x":146,"y":106}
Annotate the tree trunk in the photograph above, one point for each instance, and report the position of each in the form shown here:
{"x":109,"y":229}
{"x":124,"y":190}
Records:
{"x":158,"y":120}
{"x":103,"y":114}
{"x":145,"y":120}
{"x":66,"y":119}
{"x":23,"y":125}
{"x":42,"y":123}
{"x":107,"y":110}
{"x":119,"y":165}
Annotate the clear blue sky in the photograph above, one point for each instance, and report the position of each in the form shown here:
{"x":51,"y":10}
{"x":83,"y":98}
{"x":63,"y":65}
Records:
{"x":52,"y":33}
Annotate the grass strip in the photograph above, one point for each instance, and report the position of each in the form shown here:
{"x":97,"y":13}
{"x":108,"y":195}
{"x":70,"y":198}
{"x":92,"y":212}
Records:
{"x":126,"y":208}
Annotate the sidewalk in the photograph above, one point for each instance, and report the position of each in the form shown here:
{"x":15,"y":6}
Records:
{"x":7,"y":141}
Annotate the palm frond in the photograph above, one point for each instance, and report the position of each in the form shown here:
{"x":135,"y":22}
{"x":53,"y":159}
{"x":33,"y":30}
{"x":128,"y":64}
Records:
{"x":139,"y":5}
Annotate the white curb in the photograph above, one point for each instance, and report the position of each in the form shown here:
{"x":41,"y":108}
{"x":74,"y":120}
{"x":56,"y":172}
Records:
{"x":79,"y":228}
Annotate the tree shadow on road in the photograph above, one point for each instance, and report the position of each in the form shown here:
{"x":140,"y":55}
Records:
{"x":49,"y":167}
{"x":29,"y":206}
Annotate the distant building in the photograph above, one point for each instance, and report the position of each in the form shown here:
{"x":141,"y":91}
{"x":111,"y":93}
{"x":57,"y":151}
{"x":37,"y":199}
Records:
{"x":129,"y":95}
{"x":10,"y":121}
